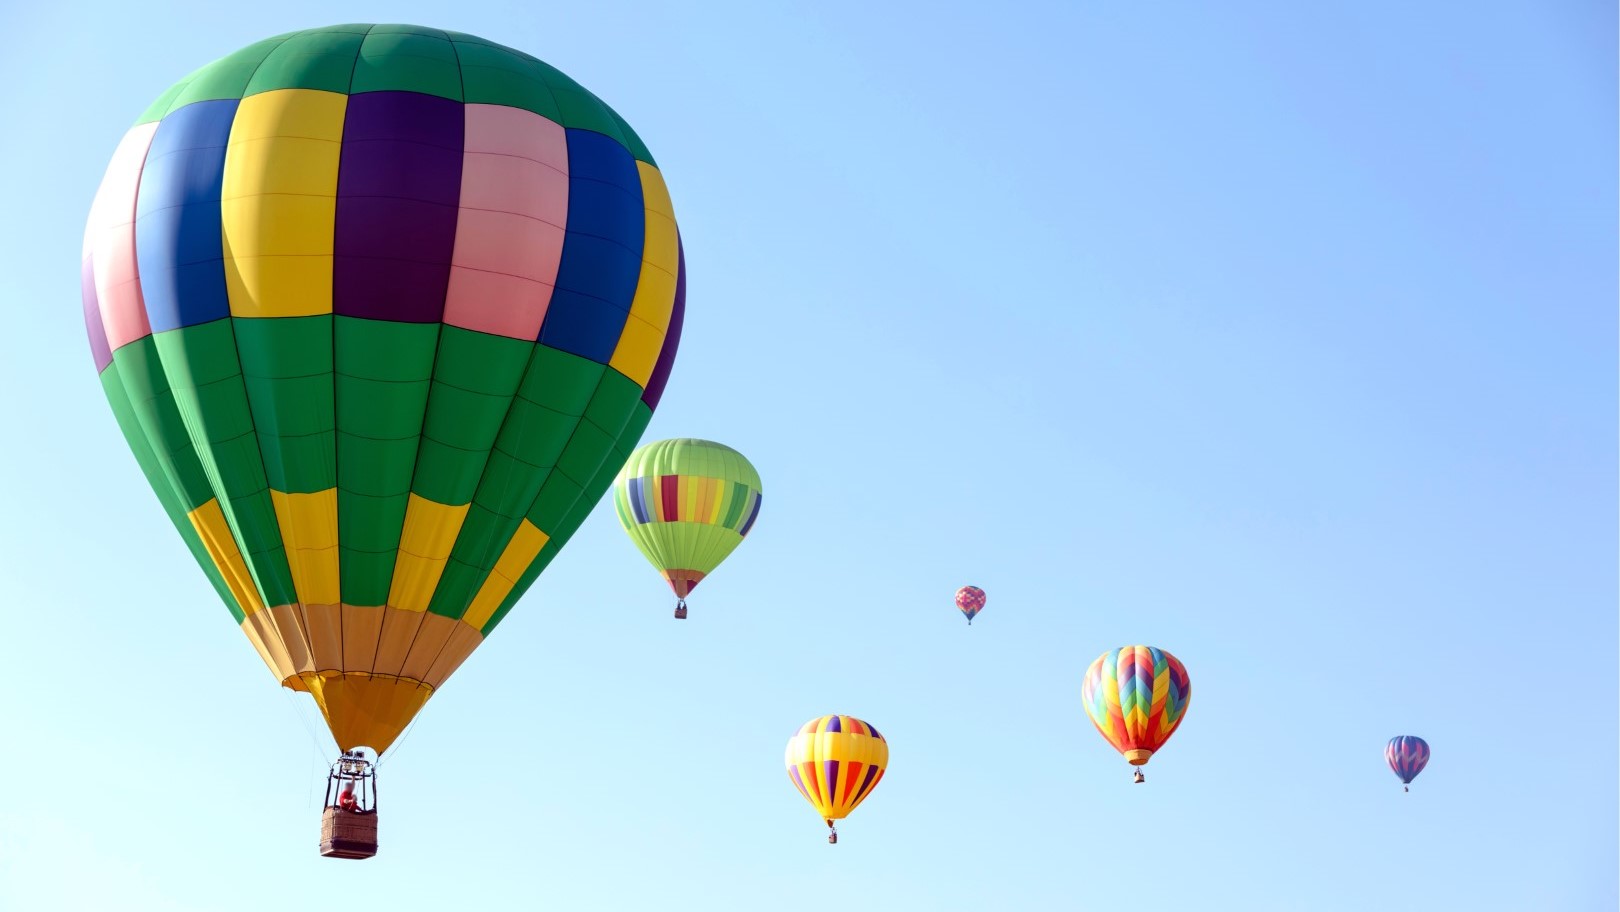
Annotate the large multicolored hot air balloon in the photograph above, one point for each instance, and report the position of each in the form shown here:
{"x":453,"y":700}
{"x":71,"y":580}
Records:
{"x":687,"y":504}
{"x":1407,"y":755}
{"x":835,"y":762}
{"x":380,"y":310}
{"x":1136,"y":696}
{"x":970,"y":601}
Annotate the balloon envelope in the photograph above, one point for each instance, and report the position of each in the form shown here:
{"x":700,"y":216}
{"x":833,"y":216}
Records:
{"x":687,"y":504}
{"x":380,"y":311}
{"x":1407,"y":755}
{"x":835,"y":762}
{"x":1136,"y":696}
{"x":970,"y":601}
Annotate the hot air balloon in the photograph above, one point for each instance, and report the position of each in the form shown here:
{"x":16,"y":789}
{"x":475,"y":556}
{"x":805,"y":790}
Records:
{"x":686,"y":504}
{"x":1407,"y":756}
{"x":380,"y":311}
{"x":970,"y":601}
{"x":1136,"y":696}
{"x":835,"y":762}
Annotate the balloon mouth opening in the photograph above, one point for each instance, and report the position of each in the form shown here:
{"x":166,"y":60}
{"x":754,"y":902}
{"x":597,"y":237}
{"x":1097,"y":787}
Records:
{"x":682,"y":582}
{"x":1137,"y":757}
{"x":367,"y":710}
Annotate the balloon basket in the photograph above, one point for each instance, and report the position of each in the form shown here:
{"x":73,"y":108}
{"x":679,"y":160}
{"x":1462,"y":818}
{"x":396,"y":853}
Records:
{"x":349,"y":819}
{"x":348,"y":834}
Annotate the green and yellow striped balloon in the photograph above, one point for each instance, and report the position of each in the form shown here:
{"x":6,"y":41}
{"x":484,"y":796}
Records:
{"x":687,"y":504}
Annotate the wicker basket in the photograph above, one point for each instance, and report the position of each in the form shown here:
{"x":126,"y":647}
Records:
{"x":348,"y":834}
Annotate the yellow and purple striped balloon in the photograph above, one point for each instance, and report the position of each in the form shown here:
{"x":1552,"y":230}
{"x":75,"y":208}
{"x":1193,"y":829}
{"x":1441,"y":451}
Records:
{"x":835,"y":762}
{"x":380,"y":310}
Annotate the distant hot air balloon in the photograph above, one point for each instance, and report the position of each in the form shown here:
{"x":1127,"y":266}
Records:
{"x":686,"y":504}
{"x":380,"y":310}
{"x":835,"y":762}
{"x":1407,"y":756}
{"x":1136,"y":696}
{"x":970,"y":600}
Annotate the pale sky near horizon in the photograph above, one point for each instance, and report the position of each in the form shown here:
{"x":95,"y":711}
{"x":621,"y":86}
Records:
{"x":1282,"y":337}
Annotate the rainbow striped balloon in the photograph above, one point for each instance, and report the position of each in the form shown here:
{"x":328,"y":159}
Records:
{"x":380,"y":310}
{"x":1407,"y":755}
{"x":687,"y":504}
{"x":1136,"y":696}
{"x":835,"y":762}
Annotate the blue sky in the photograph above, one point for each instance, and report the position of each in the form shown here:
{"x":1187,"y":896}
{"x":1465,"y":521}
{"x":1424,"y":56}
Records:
{"x":1281,"y":338}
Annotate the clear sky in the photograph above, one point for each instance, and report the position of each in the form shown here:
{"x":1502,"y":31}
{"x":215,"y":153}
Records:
{"x":1281,"y":336}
